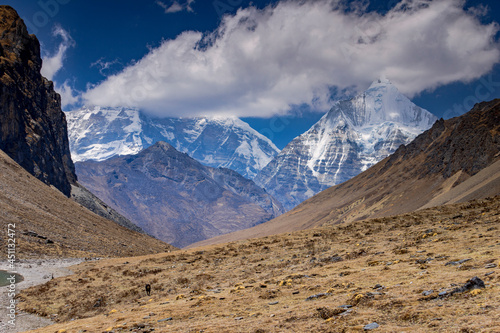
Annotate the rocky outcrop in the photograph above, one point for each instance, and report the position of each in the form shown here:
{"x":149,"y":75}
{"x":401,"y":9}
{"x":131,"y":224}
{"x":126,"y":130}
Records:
{"x":33,"y":128}
{"x":174,"y":197}
{"x":468,"y":143}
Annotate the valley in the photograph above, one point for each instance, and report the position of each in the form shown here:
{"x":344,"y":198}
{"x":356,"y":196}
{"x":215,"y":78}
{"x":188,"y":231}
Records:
{"x":160,"y":210}
{"x":395,"y":271}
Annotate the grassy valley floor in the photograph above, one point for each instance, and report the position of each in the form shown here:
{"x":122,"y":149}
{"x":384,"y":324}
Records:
{"x":402,"y":272}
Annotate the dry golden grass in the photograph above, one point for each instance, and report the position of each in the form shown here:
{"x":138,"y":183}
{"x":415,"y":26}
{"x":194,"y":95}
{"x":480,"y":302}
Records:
{"x":380,"y":267}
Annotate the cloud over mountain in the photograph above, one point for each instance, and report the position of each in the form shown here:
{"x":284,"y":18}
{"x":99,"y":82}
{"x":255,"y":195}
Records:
{"x":53,"y":63}
{"x":259,"y":62}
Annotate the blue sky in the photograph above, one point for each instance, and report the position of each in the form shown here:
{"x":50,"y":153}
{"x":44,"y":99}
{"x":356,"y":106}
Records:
{"x":276,"y":64}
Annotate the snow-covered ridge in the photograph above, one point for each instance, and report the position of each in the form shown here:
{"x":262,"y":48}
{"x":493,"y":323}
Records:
{"x":96,"y":134}
{"x":101,"y":133}
{"x":354,"y":135}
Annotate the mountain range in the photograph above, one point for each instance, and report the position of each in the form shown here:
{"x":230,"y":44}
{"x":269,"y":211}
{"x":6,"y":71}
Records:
{"x":101,"y":133}
{"x":455,"y":161}
{"x":174,"y":197}
{"x":429,"y":269}
{"x":354,"y":135}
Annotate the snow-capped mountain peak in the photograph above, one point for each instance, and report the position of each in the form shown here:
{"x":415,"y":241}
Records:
{"x":354,"y":135}
{"x":100,"y":133}
{"x":383,"y":102}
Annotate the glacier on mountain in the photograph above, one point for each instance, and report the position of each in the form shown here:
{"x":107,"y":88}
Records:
{"x":101,"y":133}
{"x":354,"y":135}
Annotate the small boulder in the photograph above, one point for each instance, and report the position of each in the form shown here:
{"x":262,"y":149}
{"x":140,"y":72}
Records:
{"x":474,"y":283}
{"x":427,"y":292}
{"x":371,"y":326}
{"x":166,"y":319}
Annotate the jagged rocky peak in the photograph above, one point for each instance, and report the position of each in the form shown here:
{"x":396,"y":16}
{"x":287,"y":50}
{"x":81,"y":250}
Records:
{"x":18,"y":46}
{"x":33,"y":128}
{"x":161,"y":146}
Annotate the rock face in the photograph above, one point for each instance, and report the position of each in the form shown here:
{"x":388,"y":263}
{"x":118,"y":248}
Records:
{"x":354,"y":135}
{"x":98,"y":134}
{"x":32,"y":126}
{"x":175,"y":198}
{"x":466,"y":144}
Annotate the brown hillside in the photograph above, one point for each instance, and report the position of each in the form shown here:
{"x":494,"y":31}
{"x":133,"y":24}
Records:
{"x":401,"y":272}
{"x":428,"y":170}
{"x":48,"y":224}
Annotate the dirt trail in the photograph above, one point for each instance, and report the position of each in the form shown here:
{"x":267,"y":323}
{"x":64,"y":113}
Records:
{"x":35,"y":272}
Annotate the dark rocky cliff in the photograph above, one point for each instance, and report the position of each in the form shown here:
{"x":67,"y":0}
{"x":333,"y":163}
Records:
{"x":33,"y":128}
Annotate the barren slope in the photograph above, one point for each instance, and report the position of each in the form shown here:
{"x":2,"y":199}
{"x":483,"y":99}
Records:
{"x":48,"y":224}
{"x":398,"y":272}
{"x":452,"y":152}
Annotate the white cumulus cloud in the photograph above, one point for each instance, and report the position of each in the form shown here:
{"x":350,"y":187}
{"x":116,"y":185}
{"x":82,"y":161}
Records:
{"x":52,"y":63}
{"x":260,"y":62}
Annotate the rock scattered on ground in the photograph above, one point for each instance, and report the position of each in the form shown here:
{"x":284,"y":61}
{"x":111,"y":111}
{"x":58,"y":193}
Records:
{"x":458,"y":262}
{"x":371,"y":326}
{"x":320,"y":295}
{"x":474,"y":283}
